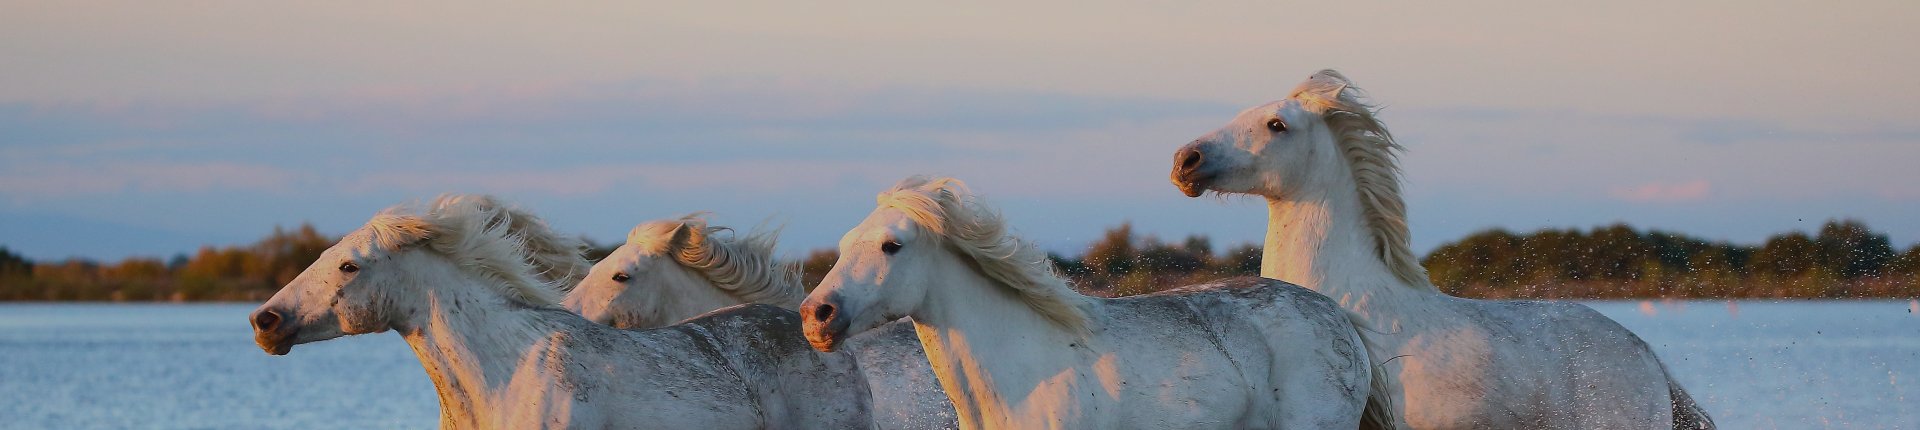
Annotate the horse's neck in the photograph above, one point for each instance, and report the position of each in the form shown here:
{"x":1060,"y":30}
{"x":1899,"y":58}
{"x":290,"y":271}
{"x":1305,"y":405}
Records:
{"x":721,"y":294}
{"x":774,"y":276}
{"x":989,"y":348}
{"x":1322,"y":242}
{"x":694,"y":300}
{"x":470,"y":340}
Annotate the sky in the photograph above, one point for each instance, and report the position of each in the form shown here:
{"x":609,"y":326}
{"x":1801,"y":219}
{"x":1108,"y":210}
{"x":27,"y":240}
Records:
{"x":152,"y":129}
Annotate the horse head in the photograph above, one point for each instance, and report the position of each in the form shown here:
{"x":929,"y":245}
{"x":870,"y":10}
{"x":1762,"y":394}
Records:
{"x":927,"y":232}
{"x":642,"y":284}
{"x":1302,"y":146}
{"x":377,"y":277}
{"x":882,"y":275}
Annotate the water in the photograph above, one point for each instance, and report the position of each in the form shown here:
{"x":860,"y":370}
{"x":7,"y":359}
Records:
{"x":1761,"y":365}
{"x":1788,"y":365}
{"x":195,"y":366}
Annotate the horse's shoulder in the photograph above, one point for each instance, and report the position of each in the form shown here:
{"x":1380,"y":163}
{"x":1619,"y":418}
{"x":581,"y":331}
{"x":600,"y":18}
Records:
{"x":1240,"y":293}
{"x":570,"y":337}
{"x":1248,"y":287}
{"x":1535,"y":321}
{"x":748,"y":317}
{"x":751,"y":330}
{"x":1233,"y":307}
{"x":896,"y":336}
{"x":1529,"y":312}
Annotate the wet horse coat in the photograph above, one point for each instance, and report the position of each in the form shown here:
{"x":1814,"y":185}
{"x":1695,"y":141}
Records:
{"x":1337,"y":224}
{"x":670,"y":268}
{"x":1015,"y":348}
{"x":467,"y":284}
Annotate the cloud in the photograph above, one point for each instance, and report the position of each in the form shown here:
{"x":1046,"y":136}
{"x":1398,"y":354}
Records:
{"x":1657,"y":192}
{"x":1723,"y":132}
{"x":746,"y":178}
{"x":598,"y":155}
{"x":74,"y":179}
{"x":1900,"y":192}
{"x":578,"y":139}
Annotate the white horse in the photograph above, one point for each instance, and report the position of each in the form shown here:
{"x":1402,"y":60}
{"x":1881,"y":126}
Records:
{"x":1014,"y":347}
{"x":672,"y":269}
{"x":470,"y":284}
{"x":1337,"y":225}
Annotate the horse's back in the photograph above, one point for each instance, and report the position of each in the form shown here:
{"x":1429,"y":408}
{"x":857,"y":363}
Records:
{"x":1259,"y":299}
{"x":1568,"y":331}
{"x":797,"y":385}
{"x":1601,"y":373}
{"x":587,"y":375}
{"x":753,"y":327}
{"x":1294,"y":352}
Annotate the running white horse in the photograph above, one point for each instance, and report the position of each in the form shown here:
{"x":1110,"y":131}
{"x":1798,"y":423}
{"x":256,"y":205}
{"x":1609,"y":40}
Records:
{"x":1014,"y":347}
{"x":1337,"y":225}
{"x":672,"y":269}
{"x":470,"y":284}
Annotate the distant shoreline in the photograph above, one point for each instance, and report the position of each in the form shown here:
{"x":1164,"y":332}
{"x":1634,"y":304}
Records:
{"x":1842,"y":260}
{"x":1606,"y":300}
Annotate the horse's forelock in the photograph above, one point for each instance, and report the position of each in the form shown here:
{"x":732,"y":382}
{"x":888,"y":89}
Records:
{"x":392,"y":231}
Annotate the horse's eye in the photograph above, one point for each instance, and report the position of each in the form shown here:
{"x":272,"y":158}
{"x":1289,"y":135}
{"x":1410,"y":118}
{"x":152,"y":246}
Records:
{"x":621,"y":277}
{"x":890,"y":247}
{"x":349,"y":267}
{"x":1276,"y":125}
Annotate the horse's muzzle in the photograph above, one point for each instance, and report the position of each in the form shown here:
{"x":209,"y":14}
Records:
{"x":824,"y":324}
{"x":272,"y":331}
{"x":1190,"y":172}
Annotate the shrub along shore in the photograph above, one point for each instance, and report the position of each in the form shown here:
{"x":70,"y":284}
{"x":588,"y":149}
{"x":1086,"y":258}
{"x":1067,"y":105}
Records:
{"x":1842,"y":260}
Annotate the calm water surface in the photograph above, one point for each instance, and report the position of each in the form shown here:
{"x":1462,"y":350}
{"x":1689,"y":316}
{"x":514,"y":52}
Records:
{"x":1763,"y":365}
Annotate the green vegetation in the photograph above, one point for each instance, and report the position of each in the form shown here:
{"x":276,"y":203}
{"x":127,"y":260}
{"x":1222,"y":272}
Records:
{"x":250,"y":272}
{"x":1844,"y":259}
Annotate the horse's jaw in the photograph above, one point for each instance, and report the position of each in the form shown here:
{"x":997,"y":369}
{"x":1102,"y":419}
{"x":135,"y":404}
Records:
{"x":1190,"y":187}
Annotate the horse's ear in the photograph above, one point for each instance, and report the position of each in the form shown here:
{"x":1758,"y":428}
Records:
{"x":1325,"y":85}
{"x":682,"y":234}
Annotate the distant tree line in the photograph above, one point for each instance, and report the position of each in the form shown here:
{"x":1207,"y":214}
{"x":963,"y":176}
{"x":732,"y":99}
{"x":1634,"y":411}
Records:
{"x":1119,"y":264}
{"x":1843,"y":259}
{"x":240,"y":273}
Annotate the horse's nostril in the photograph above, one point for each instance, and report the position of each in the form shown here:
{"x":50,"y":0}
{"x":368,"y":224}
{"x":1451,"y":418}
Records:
{"x":1189,"y":159}
{"x":823,"y":312}
{"x":266,"y":320}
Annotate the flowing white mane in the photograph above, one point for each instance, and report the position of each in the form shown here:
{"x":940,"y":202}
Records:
{"x":946,"y":208}
{"x":1373,"y":157}
{"x":743,"y":267}
{"x":529,"y":261}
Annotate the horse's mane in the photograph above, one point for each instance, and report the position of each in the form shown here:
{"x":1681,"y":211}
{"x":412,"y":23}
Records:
{"x":946,"y":208}
{"x":1373,"y":156}
{"x":742,"y":266}
{"x":530,"y":262}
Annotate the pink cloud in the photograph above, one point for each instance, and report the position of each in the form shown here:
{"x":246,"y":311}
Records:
{"x":744,"y":176}
{"x":69,"y":179}
{"x":1652,"y":192}
{"x":1900,"y":192}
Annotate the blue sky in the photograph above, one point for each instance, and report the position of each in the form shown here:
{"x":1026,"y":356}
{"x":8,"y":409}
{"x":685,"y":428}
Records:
{"x":144,"y":129}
